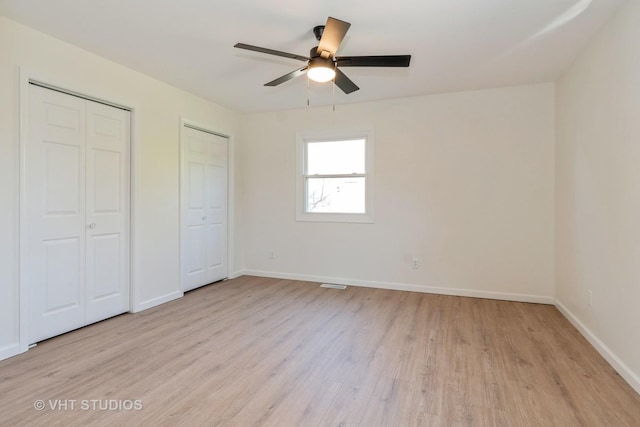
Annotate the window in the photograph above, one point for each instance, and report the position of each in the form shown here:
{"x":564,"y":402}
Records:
{"x":335,"y":178}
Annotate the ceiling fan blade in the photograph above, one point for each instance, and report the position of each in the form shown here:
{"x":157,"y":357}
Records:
{"x":344,"y":83}
{"x":334,"y":32}
{"x":374,"y":61}
{"x":287,"y":77}
{"x":271,"y":51}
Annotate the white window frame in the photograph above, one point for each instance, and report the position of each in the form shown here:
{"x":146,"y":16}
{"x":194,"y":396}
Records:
{"x":302,"y":140}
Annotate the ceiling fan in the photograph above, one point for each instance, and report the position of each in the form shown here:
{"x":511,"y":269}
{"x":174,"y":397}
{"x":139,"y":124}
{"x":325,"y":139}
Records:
{"x":323,"y":65}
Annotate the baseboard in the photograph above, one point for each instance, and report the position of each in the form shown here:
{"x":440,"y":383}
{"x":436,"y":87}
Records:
{"x":145,"y":305}
{"x":237,"y":274}
{"x":9,"y":351}
{"x":538,"y":299}
{"x":625,"y":372}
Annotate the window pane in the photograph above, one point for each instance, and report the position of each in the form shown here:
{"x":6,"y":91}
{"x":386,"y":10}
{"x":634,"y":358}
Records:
{"x":336,"y":195}
{"x":335,"y":157}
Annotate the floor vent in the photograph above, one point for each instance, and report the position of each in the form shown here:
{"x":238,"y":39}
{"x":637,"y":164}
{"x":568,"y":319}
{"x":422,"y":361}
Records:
{"x":332,"y":286}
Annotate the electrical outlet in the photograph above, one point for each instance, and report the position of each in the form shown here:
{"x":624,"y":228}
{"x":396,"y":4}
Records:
{"x":589,"y":298}
{"x":272,"y":255}
{"x":415,"y":264}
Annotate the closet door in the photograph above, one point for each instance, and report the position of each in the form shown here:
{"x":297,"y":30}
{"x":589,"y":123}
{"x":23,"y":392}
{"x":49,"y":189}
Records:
{"x":77,"y":212}
{"x":204,"y":208}
{"x":216,"y":222}
{"x":55,"y":217}
{"x":107,"y":212}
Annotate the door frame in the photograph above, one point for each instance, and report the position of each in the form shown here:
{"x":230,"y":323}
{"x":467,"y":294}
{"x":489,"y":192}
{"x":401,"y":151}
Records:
{"x":230,"y":185}
{"x":27,"y":77}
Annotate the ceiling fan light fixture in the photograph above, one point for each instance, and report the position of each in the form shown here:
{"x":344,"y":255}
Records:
{"x":321,"y":70}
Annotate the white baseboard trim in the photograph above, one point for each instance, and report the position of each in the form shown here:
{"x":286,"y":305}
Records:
{"x":9,"y":351}
{"x":236,"y":274}
{"x":625,"y":372}
{"x":538,"y":299}
{"x":145,"y":305}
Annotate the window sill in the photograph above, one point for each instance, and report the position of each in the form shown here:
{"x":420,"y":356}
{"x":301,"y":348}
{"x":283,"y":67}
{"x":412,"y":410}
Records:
{"x":334,"y":217}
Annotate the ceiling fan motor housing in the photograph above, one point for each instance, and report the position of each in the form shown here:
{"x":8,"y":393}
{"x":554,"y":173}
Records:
{"x":313,"y":53}
{"x":318,"y":61}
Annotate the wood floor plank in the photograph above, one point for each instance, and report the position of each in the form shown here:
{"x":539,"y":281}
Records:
{"x":259,"y":351}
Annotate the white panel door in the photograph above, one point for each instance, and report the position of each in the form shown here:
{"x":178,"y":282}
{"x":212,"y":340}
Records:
{"x":55,"y":180}
{"x":107,"y":218}
{"x":77,"y":212}
{"x":216,"y":217}
{"x":204,"y":208}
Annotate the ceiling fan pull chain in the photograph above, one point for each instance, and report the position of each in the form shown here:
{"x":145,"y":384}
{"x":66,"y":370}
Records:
{"x":308,"y":103}
{"x":334,"y":94}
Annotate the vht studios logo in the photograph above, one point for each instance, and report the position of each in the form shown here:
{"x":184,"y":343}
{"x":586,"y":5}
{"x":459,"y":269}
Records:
{"x":88,"y":405}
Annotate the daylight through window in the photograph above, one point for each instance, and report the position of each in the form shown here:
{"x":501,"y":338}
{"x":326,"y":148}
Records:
{"x":335,"y":176}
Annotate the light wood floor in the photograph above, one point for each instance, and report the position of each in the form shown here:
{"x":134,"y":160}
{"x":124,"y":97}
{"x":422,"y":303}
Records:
{"x":255,"y":351}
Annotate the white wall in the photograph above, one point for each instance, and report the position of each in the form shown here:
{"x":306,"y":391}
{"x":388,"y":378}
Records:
{"x":464,"y":182}
{"x":598,"y":191}
{"x":158,"y":108}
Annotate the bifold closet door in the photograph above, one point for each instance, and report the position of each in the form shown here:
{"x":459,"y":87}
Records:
{"x":76,"y":195}
{"x":204,"y":208}
{"x":107,"y":211}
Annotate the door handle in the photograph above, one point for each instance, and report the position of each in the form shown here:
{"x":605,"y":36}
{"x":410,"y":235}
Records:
{"x":92,"y":225}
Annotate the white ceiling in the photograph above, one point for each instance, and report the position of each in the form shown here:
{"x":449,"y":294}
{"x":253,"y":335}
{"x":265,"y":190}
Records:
{"x":455,"y":44}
